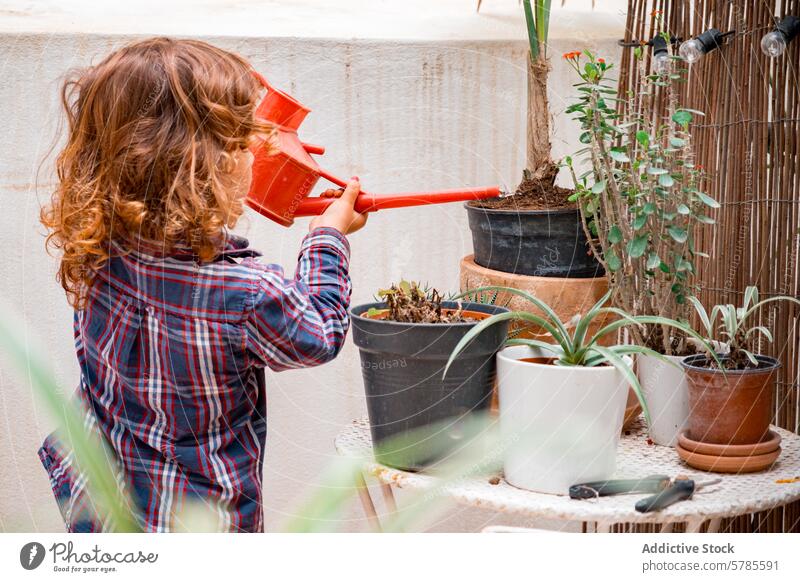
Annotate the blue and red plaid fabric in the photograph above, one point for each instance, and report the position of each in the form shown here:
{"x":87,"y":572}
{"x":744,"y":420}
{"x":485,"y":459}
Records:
{"x":172,"y":355}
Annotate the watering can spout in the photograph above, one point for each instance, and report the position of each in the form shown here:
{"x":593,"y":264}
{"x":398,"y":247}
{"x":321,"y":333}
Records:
{"x":282,"y":181}
{"x":366,"y":202}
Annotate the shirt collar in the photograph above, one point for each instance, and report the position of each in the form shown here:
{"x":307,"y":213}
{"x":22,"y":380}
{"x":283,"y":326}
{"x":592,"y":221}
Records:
{"x":235,"y":246}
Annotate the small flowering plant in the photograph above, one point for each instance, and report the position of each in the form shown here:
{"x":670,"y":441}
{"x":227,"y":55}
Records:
{"x":641,"y":199}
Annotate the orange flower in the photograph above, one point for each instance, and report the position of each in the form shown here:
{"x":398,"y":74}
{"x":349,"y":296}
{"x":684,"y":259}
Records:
{"x":655,"y":13}
{"x":601,"y":61}
{"x":572,"y":55}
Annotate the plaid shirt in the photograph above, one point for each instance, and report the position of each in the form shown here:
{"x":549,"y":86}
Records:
{"x":172,"y":355}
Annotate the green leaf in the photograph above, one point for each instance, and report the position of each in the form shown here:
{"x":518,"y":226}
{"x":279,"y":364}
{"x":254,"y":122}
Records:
{"x":549,"y":312}
{"x":613,"y":261}
{"x":625,"y":369}
{"x":585,"y":321}
{"x":682,"y":265}
{"x":707,"y":200}
{"x":614,"y":235}
{"x":639,"y":221}
{"x":643,"y":138}
{"x":682,"y":117}
{"x":649,"y":208}
{"x":678,"y":234}
{"x":599,"y":187}
{"x":653,"y":171}
{"x":637,"y":246}
{"x":705,"y":219}
{"x":666,"y":180}
{"x":677,"y":142}
{"x":653,"y":261}
{"x":619,"y":156}
{"x":683,"y":209}
{"x":585,"y":137}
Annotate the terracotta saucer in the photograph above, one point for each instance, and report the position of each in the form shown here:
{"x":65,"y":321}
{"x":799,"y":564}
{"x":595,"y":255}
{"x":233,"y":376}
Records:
{"x":728,"y":464}
{"x":769,"y":444}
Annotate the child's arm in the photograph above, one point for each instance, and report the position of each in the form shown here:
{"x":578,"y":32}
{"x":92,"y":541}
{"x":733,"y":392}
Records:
{"x":303,"y":321}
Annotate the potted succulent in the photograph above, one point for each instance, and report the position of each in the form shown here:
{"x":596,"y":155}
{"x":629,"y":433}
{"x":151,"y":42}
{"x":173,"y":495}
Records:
{"x":562,"y":401}
{"x":642,"y":204}
{"x":404,"y":341}
{"x":730,"y":397}
{"x":537,"y":231}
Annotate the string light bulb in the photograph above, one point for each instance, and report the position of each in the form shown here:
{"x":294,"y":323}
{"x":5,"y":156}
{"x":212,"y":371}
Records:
{"x":694,"y":49}
{"x":661,"y":58}
{"x":773,"y":44}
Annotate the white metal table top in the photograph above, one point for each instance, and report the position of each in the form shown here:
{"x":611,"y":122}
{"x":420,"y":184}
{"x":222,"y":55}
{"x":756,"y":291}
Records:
{"x":735,"y":495}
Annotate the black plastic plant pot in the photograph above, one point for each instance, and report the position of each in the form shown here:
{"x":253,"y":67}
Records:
{"x":542,"y":243}
{"x":416,"y":416}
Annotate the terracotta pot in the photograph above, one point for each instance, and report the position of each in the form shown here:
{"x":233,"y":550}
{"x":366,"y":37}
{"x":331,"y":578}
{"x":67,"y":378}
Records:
{"x":567,"y":296}
{"x":734,"y":407}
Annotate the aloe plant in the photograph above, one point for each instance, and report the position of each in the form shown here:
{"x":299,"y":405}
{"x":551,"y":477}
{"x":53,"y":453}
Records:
{"x":578,"y":347}
{"x":733,"y":327}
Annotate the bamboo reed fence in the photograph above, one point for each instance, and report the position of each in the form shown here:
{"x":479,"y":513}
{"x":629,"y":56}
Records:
{"x":748,"y":144}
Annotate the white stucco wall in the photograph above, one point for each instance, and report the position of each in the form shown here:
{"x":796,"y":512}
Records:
{"x":431,"y":96}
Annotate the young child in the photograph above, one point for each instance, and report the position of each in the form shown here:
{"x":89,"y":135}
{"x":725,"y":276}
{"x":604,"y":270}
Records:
{"x":175,"y":317}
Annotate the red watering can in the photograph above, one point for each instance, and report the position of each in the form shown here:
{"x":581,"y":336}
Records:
{"x":282,"y":181}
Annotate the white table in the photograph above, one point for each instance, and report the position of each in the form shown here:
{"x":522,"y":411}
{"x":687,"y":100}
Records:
{"x":736,"y":495}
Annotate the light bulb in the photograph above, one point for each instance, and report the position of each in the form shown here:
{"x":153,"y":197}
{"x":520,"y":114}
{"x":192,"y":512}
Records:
{"x":773,"y":43}
{"x":691,"y":51}
{"x":661,"y":64}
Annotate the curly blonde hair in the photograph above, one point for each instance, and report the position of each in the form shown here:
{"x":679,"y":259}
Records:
{"x":153,"y":133}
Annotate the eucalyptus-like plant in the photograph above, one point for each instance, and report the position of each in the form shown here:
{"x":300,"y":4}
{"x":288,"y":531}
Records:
{"x":734,"y":327}
{"x":579,"y":347}
{"x":642,"y":199}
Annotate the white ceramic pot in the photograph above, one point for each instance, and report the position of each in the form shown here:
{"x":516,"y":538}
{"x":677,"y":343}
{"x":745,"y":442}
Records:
{"x":666,"y":392}
{"x":563,"y":423}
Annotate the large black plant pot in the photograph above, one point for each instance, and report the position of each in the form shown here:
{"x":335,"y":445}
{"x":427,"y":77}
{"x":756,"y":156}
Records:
{"x":402,"y":366}
{"x":542,"y":243}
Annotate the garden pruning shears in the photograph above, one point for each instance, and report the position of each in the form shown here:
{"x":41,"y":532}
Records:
{"x":667,"y":490}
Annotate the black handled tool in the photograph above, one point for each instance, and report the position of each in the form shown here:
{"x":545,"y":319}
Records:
{"x":679,"y":490}
{"x":651,"y":484}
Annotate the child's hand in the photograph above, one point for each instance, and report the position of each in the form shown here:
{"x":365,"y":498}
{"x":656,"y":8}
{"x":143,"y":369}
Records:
{"x":340,"y":214}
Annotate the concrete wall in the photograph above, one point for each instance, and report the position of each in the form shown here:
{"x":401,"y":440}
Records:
{"x":401,"y":114}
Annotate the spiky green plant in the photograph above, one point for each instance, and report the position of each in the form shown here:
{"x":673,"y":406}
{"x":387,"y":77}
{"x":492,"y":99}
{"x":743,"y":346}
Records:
{"x":734,"y":329}
{"x":579,"y":348}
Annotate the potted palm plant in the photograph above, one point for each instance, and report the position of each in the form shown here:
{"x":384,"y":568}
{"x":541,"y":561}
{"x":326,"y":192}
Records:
{"x":404,"y":341}
{"x":537,"y":231}
{"x":562,"y":401}
{"x":730,"y":397}
{"x":642,"y":204}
